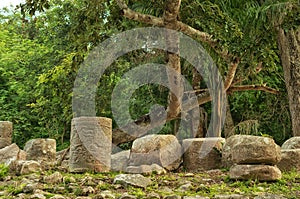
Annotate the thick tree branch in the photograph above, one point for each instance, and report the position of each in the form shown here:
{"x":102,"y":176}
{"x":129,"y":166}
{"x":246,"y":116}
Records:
{"x":121,"y":137}
{"x":156,"y":21}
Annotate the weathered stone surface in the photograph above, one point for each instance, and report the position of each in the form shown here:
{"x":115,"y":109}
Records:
{"x":290,"y":160}
{"x":88,"y":190}
{"x":119,"y":161}
{"x":248,"y":149}
{"x":136,"y":180}
{"x":269,"y":196}
{"x":172,"y":197}
{"x":54,"y":178}
{"x":127,"y":196}
{"x":10,"y":154}
{"x":37,"y":196}
{"x":6,"y":130}
{"x":292,"y":143}
{"x":202,"y":153}
{"x":29,"y":188}
{"x":4,"y":143}
{"x":57,"y":197}
{"x":232,"y":196}
{"x":195,"y":197}
{"x":163,"y":150}
{"x":146,"y":169}
{"x":91,"y":142}
{"x":153,"y":196}
{"x":23,"y":167}
{"x":259,"y":172}
{"x":63,"y":155}
{"x":105,"y":194}
{"x":42,"y":151}
{"x":185,"y":187}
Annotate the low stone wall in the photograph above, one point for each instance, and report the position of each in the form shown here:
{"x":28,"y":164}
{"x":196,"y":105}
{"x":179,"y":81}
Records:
{"x":91,"y":145}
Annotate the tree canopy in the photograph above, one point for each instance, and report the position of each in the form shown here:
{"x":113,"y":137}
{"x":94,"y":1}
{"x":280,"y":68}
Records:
{"x":44,"y":42}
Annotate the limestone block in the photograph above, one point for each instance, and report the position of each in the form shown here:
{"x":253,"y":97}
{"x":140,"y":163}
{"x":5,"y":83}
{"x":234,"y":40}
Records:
{"x":119,"y":161}
{"x":10,"y":154}
{"x":202,"y":153}
{"x":290,"y":160}
{"x":163,"y":150}
{"x":248,"y":149}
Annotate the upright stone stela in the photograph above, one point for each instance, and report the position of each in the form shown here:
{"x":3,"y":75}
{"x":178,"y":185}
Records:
{"x":6,"y":129}
{"x":91,"y":143}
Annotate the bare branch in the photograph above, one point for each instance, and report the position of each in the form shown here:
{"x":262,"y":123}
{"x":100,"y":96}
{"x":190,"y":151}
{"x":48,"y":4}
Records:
{"x":253,"y":88}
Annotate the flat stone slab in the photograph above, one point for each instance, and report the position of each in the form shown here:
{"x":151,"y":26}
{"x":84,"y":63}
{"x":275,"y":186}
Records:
{"x":259,"y":172}
{"x":136,"y":180}
{"x":269,"y":196}
{"x":146,"y":169}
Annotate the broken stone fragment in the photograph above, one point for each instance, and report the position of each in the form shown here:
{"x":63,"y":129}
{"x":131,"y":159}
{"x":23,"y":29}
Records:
{"x":259,"y":172}
{"x":42,"y":151}
{"x":136,"y":180}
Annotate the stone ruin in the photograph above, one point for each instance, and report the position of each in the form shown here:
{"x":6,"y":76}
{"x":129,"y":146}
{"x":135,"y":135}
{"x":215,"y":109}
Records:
{"x":248,"y":157}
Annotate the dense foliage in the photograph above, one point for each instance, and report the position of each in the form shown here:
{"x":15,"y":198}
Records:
{"x":40,"y":55}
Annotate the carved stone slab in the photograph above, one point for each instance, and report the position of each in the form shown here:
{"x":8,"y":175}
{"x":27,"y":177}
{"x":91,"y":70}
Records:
{"x":91,"y":143}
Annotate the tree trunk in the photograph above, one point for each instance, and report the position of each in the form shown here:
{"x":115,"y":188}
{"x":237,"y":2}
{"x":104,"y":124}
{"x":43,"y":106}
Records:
{"x":201,"y":129}
{"x":229,"y":124}
{"x":289,"y":46}
{"x":173,"y":59}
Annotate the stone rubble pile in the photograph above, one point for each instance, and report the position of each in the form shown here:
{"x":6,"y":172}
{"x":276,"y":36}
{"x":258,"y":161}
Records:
{"x":248,"y":157}
{"x":38,"y":154}
{"x":252,"y":157}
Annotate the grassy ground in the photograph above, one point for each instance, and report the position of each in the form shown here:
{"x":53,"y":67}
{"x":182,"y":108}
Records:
{"x":203,"y":184}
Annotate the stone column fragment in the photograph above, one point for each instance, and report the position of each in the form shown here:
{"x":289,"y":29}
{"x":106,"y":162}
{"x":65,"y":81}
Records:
{"x":91,"y":143}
